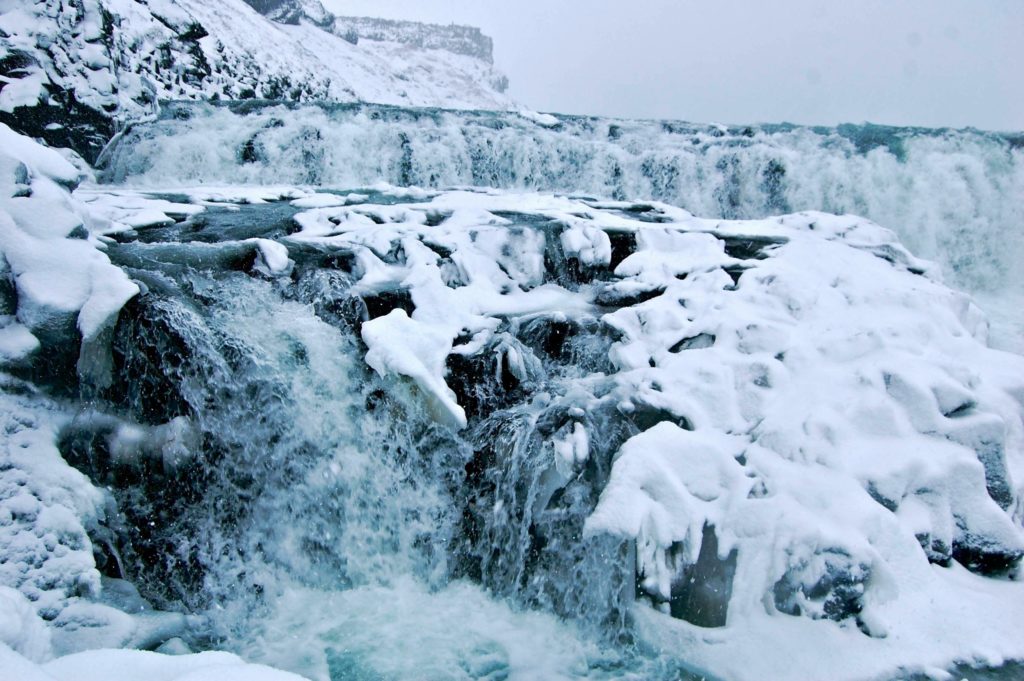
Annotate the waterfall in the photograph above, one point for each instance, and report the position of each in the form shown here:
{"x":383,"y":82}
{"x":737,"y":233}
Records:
{"x":952,"y":195}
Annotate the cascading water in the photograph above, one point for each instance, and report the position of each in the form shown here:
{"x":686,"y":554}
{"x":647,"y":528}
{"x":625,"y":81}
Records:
{"x":319,"y":519}
{"x":952,"y":195}
{"x":394,"y":433}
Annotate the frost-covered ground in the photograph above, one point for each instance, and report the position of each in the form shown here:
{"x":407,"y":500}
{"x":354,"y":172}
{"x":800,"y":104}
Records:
{"x":793,"y":434}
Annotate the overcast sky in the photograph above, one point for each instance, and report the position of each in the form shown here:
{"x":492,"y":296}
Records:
{"x":901,"y":62}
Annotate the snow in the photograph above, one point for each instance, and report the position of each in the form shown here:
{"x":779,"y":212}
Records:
{"x":273,"y":259}
{"x":54,"y":262}
{"x":229,"y":194}
{"x":404,"y":346}
{"x":332,"y":200}
{"x":486,"y":259}
{"x":838,"y":414}
{"x":541,"y":119}
{"x":45,"y":507}
{"x":16,"y":342}
{"x":667,"y":484}
{"x":42,"y":160}
{"x":17,"y":668}
{"x":110,"y":212}
{"x":186,"y":49}
{"x":948,"y":609}
{"x":952,"y":196}
{"x":26,"y":655}
{"x":48,"y":570}
{"x":27,"y":91}
{"x":320,"y":201}
{"x":21,"y":629}
{"x":130,"y":665}
{"x":833,"y":412}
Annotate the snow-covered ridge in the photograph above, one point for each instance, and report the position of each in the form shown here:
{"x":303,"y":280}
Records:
{"x":466,"y":40}
{"x":457,"y":39}
{"x":294,"y":11}
{"x":70,"y":70}
{"x":951,"y":195}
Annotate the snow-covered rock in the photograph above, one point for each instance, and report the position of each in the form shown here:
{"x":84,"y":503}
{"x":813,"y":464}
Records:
{"x":63,"y":283}
{"x":833,"y":427}
{"x":45,"y":508}
{"x":83,"y":69}
{"x":797,"y":432}
{"x":951,"y":195}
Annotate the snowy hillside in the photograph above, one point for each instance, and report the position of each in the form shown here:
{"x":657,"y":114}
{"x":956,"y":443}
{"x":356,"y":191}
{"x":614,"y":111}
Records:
{"x":81,"y":66}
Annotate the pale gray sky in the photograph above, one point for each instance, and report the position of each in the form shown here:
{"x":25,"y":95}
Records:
{"x":901,"y":62}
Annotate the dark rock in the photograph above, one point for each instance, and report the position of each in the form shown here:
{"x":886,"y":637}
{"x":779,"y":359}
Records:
{"x":701,"y":590}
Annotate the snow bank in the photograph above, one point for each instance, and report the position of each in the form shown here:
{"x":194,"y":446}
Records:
{"x":45,"y":508}
{"x":21,"y":629}
{"x":132,"y":665}
{"x":55,"y":262}
{"x":42,"y":160}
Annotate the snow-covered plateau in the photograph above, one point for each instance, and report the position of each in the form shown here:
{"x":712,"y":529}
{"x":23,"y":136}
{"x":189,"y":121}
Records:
{"x":387,"y":433}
